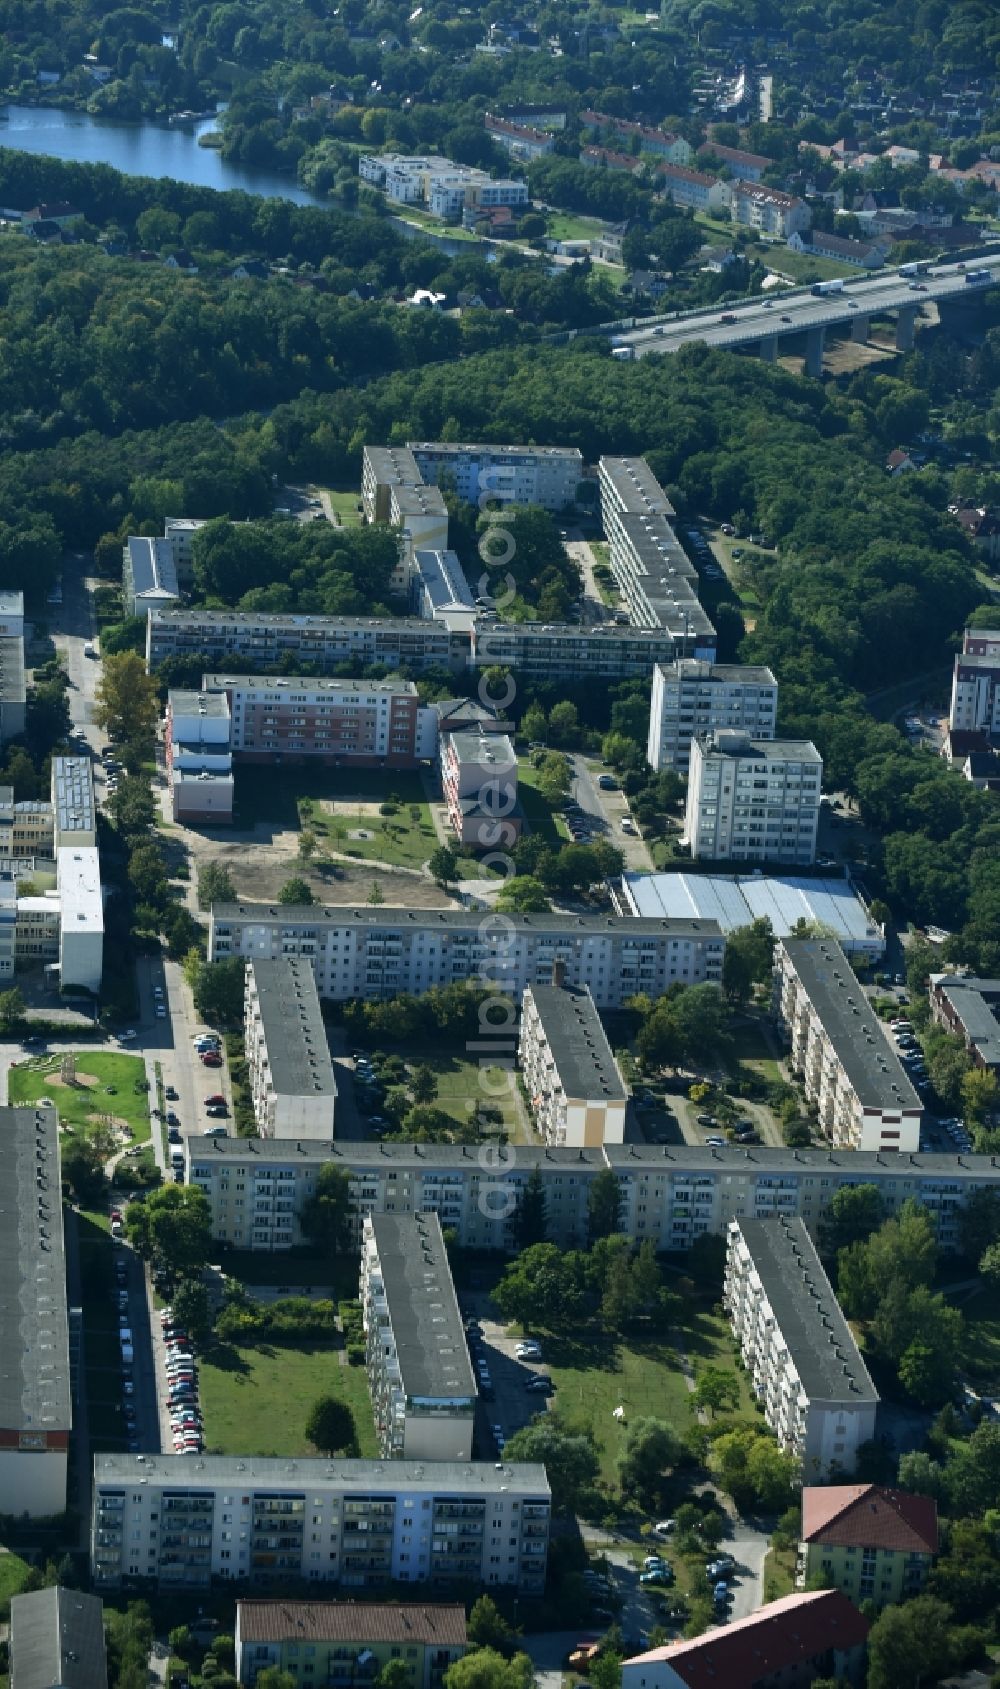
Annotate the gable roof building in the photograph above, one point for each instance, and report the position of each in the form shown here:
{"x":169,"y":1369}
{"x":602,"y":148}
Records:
{"x":818,"y":1633}
{"x":872,"y":1544}
{"x":57,"y":1640}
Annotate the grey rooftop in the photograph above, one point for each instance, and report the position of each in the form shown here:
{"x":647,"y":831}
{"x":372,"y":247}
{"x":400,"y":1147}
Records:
{"x":298,"y":1054}
{"x":57,"y":1640}
{"x":585,"y":1065}
{"x":423,"y":1310}
{"x":34,"y":1329}
{"x":430,"y":1477}
{"x":875,"y":1071}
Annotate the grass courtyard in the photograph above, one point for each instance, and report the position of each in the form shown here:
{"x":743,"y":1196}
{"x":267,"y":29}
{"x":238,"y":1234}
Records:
{"x":344,"y":507}
{"x":14,"y":1574}
{"x":341,"y":807}
{"x":104,"y":1091}
{"x":257,"y":1400}
{"x":542,"y":818}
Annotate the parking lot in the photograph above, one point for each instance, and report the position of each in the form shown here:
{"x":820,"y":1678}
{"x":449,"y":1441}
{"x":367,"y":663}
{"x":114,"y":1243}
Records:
{"x":506,"y":1404}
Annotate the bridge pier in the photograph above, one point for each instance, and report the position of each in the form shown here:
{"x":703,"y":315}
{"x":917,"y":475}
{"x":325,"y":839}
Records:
{"x":815,"y":342}
{"x":905,"y":321}
{"x":769,"y":349}
{"x":860,"y":328}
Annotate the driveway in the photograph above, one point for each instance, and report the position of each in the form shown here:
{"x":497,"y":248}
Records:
{"x":606,"y":811}
{"x":748,"y":1546}
{"x":581,"y":554}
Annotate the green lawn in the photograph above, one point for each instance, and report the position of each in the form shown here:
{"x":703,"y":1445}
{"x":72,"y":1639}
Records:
{"x":14,"y":1574}
{"x":543,"y":819}
{"x":802,"y":266}
{"x":982,"y":1341}
{"x":257,"y":1401}
{"x":646,"y":1379}
{"x":459,"y":1087}
{"x":84,"y":1104}
{"x":405,"y":839}
{"x":346,"y":507}
{"x":779,"y":1574}
{"x":752,"y":1048}
{"x":563,"y":225}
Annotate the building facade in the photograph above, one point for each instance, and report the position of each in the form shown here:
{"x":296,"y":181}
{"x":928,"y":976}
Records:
{"x":379,"y":952}
{"x":419,"y":1372}
{"x":184,"y":1524}
{"x":752,"y":800}
{"x":479,"y":785}
{"x":802,"y":1362}
{"x":670,"y":1194}
{"x":851,"y":1074}
{"x":13,"y":692}
{"x":356,"y":723}
{"x":656,"y":578}
{"x":291,"y":1074}
{"x":149,"y":576}
{"x":544,"y":475}
{"x":196,"y":740}
{"x":691,"y":697}
{"x":874,"y":1544}
{"x":347,"y":1643}
{"x":575,"y":1087}
{"x":970,"y":1008}
{"x":35,"y":1402}
{"x":975,"y":689}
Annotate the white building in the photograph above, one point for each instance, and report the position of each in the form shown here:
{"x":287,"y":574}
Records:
{"x":149,"y":577}
{"x":74,"y":810}
{"x":291,"y":1074}
{"x":670,"y":1194}
{"x":544,"y":475}
{"x":179,"y":532}
{"x":80,"y":917}
{"x":752,"y":800}
{"x":361,"y":1524}
{"x":198,"y":756}
{"x":975,"y":692}
{"x":479,"y":784}
{"x":654,"y":574}
{"x":852,"y":1075}
{"x":375,"y":952}
{"x":801,"y":1358}
{"x":438,"y":587}
{"x":691,"y":697}
{"x":769,"y":210}
{"x":419,"y":1371}
{"x":35,"y":1405}
{"x":574,"y":1085}
{"x":828,"y":905}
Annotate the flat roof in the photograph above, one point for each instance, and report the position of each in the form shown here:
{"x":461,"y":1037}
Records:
{"x":731,"y":743}
{"x":736,"y":900}
{"x":443,"y":579}
{"x":636,"y":485}
{"x":431,"y":1347}
{"x":220,"y":682}
{"x":73,"y":794}
{"x":680,"y":1161}
{"x":483,"y":747}
{"x":12,"y":682}
{"x":427,"y":1477}
{"x":208,"y":702}
{"x":152,"y":567}
{"x":418,"y":499}
{"x":655,"y":544}
{"x":971,"y":1000}
{"x":57,"y":1640}
{"x":480,"y":449}
{"x":351,"y":1621}
{"x":820,"y":1343}
{"x":78,"y":876}
{"x":698,"y":668}
{"x":849,"y":1021}
{"x":297,"y":1050}
{"x":392,"y":464}
{"x":11,"y":603}
{"x":585,"y":1064}
{"x":263,"y":620}
{"x":34,"y":1328}
{"x":387,"y":919}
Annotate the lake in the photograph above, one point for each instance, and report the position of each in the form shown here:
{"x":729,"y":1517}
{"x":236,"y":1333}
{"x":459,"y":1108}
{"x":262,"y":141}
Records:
{"x":153,"y":149}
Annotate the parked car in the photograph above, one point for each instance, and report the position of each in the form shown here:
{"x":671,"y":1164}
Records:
{"x":211,"y":1061}
{"x":215,"y":1100}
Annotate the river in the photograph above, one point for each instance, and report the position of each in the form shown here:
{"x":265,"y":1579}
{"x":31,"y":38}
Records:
{"x":153,"y":149}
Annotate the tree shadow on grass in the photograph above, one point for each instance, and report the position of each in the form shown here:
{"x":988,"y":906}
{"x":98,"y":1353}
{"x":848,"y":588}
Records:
{"x":591,"y":1353}
{"x":225,"y":1357}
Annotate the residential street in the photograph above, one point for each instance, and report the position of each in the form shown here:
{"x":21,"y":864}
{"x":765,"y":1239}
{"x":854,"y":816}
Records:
{"x":607,"y":810}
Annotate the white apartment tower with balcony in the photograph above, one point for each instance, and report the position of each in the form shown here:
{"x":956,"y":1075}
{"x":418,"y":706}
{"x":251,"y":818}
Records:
{"x":691,"y":697}
{"x":801,"y":1359}
{"x":753,"y":800}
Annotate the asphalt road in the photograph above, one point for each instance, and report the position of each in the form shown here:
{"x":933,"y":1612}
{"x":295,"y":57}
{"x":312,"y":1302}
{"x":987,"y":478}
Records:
{"x":605,"y":812}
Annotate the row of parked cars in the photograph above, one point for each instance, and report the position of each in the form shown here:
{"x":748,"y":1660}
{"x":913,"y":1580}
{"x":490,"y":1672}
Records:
{"x":127,"y":1348}
{"x":909,"y":1051}
{"x":182,"y":1386}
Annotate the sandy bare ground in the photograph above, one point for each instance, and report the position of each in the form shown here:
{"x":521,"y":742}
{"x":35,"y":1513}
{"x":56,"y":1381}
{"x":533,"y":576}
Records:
{"x":260,"y":867}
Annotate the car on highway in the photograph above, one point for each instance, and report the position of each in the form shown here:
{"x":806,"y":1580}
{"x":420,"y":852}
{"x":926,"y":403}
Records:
{"x":161,"y":1013}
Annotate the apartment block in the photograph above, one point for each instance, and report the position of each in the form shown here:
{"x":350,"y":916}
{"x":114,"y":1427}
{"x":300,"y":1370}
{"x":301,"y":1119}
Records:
{"x":575,"y":1087}
{"x":179,"y":532}
{"x":79,"y":915}
{"x":490,"y":474}
{"x":438,"y":184}
{"x":795,"y":1641}
{"x":375,"y":952}
{"x":871,"y":1543}
{"x":479,"y":784}
{"x":851,"y":1074}
{"x":974,"y":715}
{"x":419,"y":1372}
{"x":291,"y":1074}
{"x":355,"y":723}
{"x":149,"y":576}
{"x":410,"y":643}
{"x":752,"y":800}
{"x":359,"y":1524}
{"x":690,"y":697}
{"x":57,"y":1640}
{"x":661,"y":143}
{"x":769,"y":210}
{"x":801,"y":1359}
{"x":970,"y":1008}
{"x":347,"y":1643}
{"x":742,"y":166}
{"x":519,"y":139}
{"x":35,"y":1407}
{"x":654,"y":574}
{"x":695,"y":188}
{"x":197,"y":734}
{"x":670,"y":1194}
{"x":13,"y":690}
